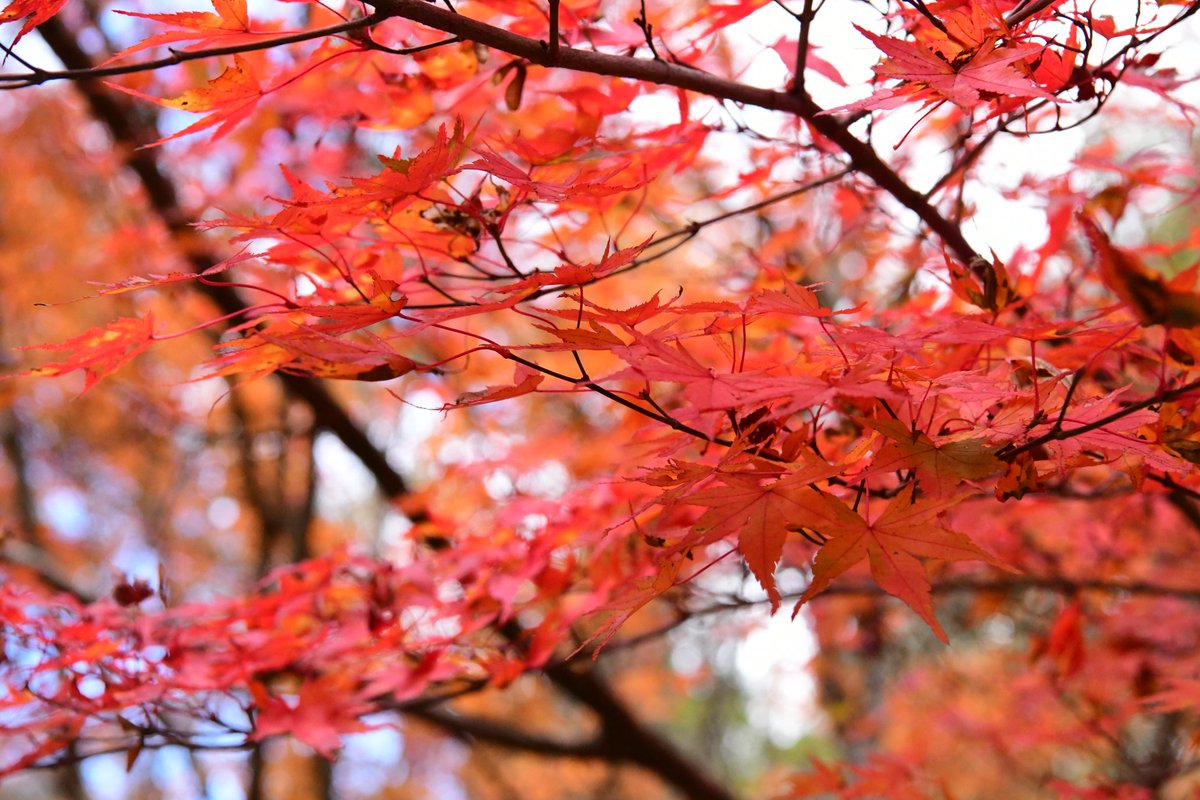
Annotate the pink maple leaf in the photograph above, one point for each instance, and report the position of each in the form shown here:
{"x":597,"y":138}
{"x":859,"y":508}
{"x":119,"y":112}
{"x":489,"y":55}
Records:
{"x":928,"y":76}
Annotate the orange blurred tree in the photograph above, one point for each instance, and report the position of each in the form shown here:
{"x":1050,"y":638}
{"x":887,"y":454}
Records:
{"x":628,"y":333}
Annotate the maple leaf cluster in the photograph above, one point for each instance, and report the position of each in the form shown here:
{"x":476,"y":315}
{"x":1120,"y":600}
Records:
{"x":670,"y":348}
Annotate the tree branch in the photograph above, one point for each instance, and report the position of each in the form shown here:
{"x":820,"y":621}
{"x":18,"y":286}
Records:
{"x":1025,"y":10}
{"x":1058,"y":433}
{"x":802,"y":47}
{"x":39,"y":76}
{"x":629,"y":739}
{"x":552,"y":46}
{"x":27,"y":556}
{"x":470,"y":729}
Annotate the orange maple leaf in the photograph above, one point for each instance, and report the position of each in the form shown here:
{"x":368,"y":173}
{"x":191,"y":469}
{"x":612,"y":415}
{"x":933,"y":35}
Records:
{"x":230,"y":25}
{"x":99,"y":351}
{"x":309,"y":352}
{"x":638,"y":593}
{"x":525,"y":380}
{"x":940,"y":466}
{"x":229,"y":98}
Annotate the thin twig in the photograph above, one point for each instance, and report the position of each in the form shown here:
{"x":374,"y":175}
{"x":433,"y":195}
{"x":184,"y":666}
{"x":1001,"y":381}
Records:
{"x":647,"y":30}
{"x":39,"y":76}
{"x":552,"y":53}
{"x":930,"y":16}
{"x":1025,"y":10}
{"x":1058,"y":434}
{"x":802,"y":46}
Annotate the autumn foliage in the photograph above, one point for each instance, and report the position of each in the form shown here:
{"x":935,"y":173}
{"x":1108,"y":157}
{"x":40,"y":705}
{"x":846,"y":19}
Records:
{"x":449,"y":371}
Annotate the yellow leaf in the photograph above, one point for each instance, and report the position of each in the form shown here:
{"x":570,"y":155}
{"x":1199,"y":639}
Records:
{"x":236,"y":83}
{"x":448,"y":66}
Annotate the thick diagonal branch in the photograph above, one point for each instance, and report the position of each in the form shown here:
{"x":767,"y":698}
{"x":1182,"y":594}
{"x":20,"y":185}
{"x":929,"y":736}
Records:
{"x":470,"y":729}
{"x":632,"y":740}
{"x":622,"y":738}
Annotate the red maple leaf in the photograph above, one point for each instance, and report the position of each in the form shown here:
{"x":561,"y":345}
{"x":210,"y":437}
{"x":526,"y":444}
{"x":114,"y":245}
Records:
{"x":573,"y":275}
{"x":760,"y":514}
{"x":34,"y":12}
{"x":525,"y":380}
{"x":928,"y":76}
{"x":906,"y":529}
{"x":1152,"y":298}
{"x":323,"y":710}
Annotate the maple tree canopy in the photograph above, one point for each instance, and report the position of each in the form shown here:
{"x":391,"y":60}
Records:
{"x":411,"y":368}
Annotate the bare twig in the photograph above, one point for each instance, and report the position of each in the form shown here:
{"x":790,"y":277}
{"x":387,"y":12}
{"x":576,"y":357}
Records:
{"x":1026,"y":9}
{"x":643,"y":22}
{"x":806,"y":20}
{"x":552,"y":45}
{"x":929,"y":15}
{"x":39,"y":76}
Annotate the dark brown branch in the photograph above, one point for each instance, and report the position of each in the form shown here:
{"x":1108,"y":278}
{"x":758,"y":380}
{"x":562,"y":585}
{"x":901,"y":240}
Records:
{"x":40,"y":76}
{"x":470,"y":729}
{"x":1025,"y":10}
{"x":624,"y":737}
{"x":14,"y":447}
{"x":929,"y":15}
{"x":1185,"y":504}
{"x":642,"y":21}
{"x":802,"y":47}
{"x":584,"y":382}
{"x":33,"y":558}
{"x":552,"y":46}
{"x":1175,"y":487}
{"x":628,"y":739}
